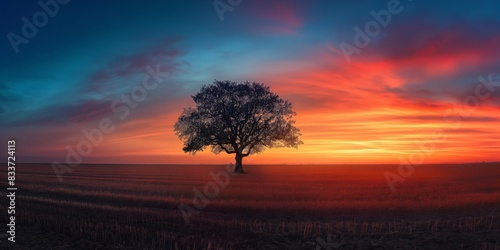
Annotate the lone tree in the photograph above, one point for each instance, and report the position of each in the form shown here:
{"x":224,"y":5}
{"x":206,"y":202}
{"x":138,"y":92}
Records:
{"x":237,"y":118}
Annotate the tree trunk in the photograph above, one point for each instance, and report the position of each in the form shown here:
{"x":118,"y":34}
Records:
{"x":238,"y":169}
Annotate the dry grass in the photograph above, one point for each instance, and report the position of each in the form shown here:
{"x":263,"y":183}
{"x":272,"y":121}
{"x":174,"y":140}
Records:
{"x":271,"y":207}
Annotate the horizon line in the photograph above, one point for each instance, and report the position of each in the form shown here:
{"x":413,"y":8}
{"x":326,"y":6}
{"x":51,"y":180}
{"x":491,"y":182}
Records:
{"x":271,"y":164}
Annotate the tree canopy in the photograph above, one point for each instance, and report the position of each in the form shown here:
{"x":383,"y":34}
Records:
{"x":237,"y":118}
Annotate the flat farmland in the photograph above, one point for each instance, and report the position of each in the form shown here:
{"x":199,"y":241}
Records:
{"x":269,"y":207}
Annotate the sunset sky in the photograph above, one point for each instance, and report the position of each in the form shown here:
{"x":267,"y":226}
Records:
{"x":419,"y":76}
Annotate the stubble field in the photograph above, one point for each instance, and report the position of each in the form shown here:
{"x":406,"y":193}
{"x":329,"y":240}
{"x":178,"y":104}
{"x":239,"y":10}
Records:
{"x":270,"y":207}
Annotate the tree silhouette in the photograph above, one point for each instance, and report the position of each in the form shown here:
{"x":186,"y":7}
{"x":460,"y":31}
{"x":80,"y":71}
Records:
{"x":237,"y":118}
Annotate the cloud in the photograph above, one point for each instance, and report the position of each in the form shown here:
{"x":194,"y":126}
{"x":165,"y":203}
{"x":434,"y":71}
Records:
{"x":165,"y":53}
{"x":438,"y":49}
{"x":89,"y":110}
{"x":431,"y":69}
{"x":92,"y":100}
{"x":274,"y":17}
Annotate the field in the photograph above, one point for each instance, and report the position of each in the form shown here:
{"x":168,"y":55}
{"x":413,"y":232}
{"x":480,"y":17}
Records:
{"x":270,"y":207}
